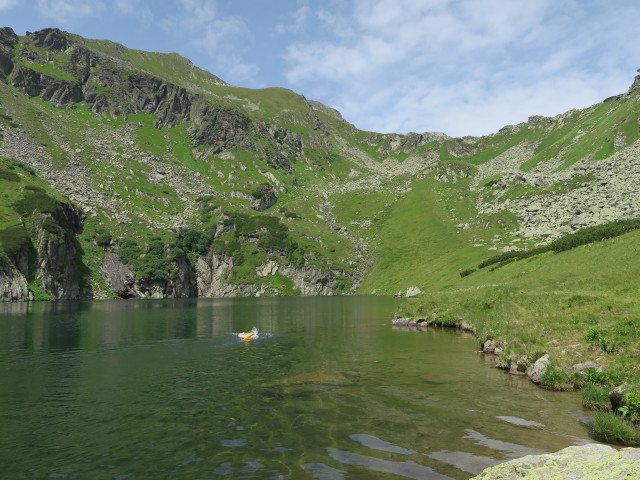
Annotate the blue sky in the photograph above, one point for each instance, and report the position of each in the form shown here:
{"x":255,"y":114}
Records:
{"x":462,"y":67}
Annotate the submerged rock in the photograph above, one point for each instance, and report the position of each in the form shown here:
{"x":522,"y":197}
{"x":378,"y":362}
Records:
{"x":585,"y":462}
{"x":312,"y":378}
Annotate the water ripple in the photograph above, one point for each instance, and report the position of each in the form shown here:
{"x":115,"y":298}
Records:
{"x":512,"y":449}
{"x":404,"y":469}
{"x":378,"y":444}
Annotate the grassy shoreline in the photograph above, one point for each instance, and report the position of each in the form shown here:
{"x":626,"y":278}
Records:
{"x":576,"y":306}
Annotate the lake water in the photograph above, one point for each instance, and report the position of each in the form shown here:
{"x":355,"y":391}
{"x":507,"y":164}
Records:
{"x":165,"y":390}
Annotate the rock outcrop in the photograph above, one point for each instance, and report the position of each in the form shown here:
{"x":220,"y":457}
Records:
{"x":13,"y":284}
{"x":122,"y":280}
{"x":8,"y":40}
{"x":586,"y":462}
{"x":538,"y":369}
{"x":57,"y":254}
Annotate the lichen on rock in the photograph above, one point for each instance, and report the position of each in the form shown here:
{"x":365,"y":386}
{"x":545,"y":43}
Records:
{"x":585,"y":462}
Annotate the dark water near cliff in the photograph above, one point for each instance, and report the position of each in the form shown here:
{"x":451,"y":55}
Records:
{"x":162,"y":389}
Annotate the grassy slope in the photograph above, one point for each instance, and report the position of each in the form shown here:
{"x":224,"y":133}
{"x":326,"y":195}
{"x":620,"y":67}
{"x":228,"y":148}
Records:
{"x":419,"y":242}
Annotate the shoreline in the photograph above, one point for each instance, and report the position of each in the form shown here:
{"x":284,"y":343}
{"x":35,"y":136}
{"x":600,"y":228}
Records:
{"x":537,"y":371}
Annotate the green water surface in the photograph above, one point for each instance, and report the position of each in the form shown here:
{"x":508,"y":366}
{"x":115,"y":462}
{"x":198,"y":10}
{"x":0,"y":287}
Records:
{"x":164,"y":389}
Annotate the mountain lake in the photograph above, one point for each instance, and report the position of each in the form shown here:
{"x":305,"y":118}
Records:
{"x":165,"y":389}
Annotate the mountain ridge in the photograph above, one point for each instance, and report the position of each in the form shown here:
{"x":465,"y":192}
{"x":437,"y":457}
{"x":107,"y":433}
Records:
{"x":146,"y":145}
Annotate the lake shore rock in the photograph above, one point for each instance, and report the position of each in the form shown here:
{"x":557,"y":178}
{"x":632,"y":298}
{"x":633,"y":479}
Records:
{"x":584,"y":462}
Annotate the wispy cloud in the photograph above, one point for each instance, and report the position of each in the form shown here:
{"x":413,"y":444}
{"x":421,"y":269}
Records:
{"x":462,"y":66}
{"x":64,"y":11}
{"x":200,"y":22}
{"x":298,"y":21}
{"x":7,"y":4}
{"x":136,"y":9}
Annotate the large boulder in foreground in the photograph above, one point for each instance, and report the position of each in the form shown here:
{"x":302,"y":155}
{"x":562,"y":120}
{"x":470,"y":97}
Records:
{"x":585,"y":462}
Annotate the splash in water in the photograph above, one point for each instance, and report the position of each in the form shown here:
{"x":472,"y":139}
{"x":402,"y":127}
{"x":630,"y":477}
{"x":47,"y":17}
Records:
{"x":250,"y":335}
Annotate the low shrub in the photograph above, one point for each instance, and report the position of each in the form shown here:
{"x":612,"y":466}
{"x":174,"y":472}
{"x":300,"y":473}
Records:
{"x":272,"y":234}
{"x":51,"y":226}
{"x":504,"y":258}
{"x":342,"y":284}
{"x":4,"y":259}
{"x":596,"y":377}
{"x":467,"y":272}
{"x":103,"y":239}
{"x":194,"y":241}
{"x":128,"y":251}
{"x":287,"y":213}
{"x":39,"y":200}
{"x":497,"y":259}
{"x":13,"y":240}
{"x":592,"y":335}
{"x":594,"y":234}
{"x":151,"y":263}
{"x":9,"y":176}
{"x":573,"y":240}
{"x":632,"y":401}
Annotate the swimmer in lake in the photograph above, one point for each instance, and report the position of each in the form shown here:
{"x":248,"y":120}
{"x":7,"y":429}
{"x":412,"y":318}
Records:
{"x":250,"y":335}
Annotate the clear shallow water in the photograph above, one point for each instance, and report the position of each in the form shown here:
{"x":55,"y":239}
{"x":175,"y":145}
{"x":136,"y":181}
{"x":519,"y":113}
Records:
{"x":163,"y":389}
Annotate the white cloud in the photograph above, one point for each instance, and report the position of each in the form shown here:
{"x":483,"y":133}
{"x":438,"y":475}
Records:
{"x":464,"y":66}
{"x":134,"y":8}
{"x":7,"y":4}
{"x":215,"y":35}
{"x":64,"y":11}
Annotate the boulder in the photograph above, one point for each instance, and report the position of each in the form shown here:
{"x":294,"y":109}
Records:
{"x":488,"y":347}
{"x":538,"y":369}
{"x":583,"y":367}
{"x":409,"y":322}
{"x":400,"y":321}
{"x":577,"y":222}
{"x":584,"y":462}
{"x":616,"y":397}
{"x":263,"y":198}
{"x":413,"y":291}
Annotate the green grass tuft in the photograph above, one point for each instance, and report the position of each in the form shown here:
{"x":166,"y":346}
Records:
{"x":612,"y":428}
{"x":595,"y":397}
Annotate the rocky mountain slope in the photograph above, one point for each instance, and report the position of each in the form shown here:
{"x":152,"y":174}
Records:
{"x":136,"y":174}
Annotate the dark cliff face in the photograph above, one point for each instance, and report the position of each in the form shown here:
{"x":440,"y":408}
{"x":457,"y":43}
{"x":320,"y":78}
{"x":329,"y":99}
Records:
{"x":8,"y":40}
{"x":56,"y":261}
{"x":49,"y":256}
{"x":220,"y":127}
{"x":106,"y":92}
{"x":59,"y":92}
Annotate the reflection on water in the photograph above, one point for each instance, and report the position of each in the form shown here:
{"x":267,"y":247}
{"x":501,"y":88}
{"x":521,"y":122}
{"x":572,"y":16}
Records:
{"x":164,"y":389}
